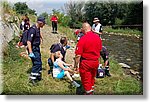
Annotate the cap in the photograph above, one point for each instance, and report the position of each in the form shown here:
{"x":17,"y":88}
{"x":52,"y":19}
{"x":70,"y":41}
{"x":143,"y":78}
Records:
{"x":96,"y":20}
{"x":42,"y":19}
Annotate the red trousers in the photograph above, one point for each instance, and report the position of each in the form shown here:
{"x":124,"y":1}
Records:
{"x":88,"y":71}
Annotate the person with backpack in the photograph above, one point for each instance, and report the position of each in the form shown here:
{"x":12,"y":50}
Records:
{"x":33,"y":45}
{"x":62,"y":47}
{"x":87,"y":56}
{"x":97,"y":27}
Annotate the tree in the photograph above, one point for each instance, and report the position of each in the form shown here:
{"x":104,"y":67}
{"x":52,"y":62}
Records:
{"x":75,"y":11}
{"x":135,"y":14}
{"x":22,"y":8}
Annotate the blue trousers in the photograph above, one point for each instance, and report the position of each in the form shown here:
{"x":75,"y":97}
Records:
{"x":36,"y":62}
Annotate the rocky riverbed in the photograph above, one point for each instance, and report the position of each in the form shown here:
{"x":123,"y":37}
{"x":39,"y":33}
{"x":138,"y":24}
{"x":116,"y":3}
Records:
{"x":126,"y":49}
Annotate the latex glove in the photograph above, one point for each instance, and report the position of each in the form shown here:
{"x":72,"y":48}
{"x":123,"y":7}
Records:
{"x":67,"y":46}
{"x":31,"y":55}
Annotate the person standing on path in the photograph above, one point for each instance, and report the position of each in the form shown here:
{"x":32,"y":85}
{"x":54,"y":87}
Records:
{"x":87,"y":56}
{"x":25,"y":25}
{"x":26,"y":22}
{"x":54,"y":20}
{"x":97,"y":27}
{"x":33,"y":44}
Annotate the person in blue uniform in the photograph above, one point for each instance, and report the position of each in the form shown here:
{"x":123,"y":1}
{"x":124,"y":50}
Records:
{"x":105,"y":55}
{"x":33,"y":44}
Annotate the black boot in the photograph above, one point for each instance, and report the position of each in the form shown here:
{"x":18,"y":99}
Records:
{"x":32,"y":80}
{"x":107,"y":71}
{"x":39,"y":77}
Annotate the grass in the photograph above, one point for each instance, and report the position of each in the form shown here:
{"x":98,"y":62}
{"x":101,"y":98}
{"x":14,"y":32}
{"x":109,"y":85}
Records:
{"x":16,"y":72}
{"x":126,"y":31}
{"x":68,"y":32}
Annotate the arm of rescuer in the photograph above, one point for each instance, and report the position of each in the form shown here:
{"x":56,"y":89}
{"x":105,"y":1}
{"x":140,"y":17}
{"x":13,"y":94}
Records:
{"x":29,"y":47}
{"x":106,"y":58}
{"x":99,"y":33}
{"x":106,"y":62}
{"x":52,"y":52}
{"x":77,"y":61}
{"x":78,"y":53}
{"x":61,"y":65}
{"x":52,"y":57}
{"x":41,"y":37}
{"x":104,"y":54}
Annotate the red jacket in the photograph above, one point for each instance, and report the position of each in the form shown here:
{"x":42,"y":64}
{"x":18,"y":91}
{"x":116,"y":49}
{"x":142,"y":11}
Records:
{"x":89,"y":46}
{"x":54,"y":18}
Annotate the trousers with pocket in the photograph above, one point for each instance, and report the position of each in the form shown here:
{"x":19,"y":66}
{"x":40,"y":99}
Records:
{"x":88,"y":70}
{"x":36,"y":63}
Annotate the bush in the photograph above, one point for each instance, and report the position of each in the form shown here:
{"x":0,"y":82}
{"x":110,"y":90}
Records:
{"x":118,"y":21}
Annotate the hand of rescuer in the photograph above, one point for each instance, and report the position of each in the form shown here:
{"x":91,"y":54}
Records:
{"x":70,"y":71}
{"x":31,"y":55}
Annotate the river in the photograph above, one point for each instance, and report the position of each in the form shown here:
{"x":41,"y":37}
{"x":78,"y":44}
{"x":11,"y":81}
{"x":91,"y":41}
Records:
{"x":125,"y":49}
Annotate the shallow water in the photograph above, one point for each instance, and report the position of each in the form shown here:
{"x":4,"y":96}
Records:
{"x":125,"y":49}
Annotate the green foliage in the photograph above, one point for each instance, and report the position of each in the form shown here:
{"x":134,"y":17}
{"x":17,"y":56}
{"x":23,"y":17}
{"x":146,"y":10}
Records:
{"x":118,"y":21}
{"x":126,"y":31}
{"x":45,"y":15}
{"x":75,"y":11}
{"x":6,"y":6}
{"x":22,"y":8}
{"x":109,"y":12}
{"x":68,"y":32}
{"x":135,"y":14}
{"x":32,"y":12}
{"x":33,"y":18}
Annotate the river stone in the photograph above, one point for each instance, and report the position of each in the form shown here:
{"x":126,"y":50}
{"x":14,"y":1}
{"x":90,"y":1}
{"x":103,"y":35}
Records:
{"x":128,"y":59}
{"x":139,"y":77}
{"x":124,"y":65}
{"x":133,"y":72}
{"x":103,"y":39}
{"x":71,"y":41}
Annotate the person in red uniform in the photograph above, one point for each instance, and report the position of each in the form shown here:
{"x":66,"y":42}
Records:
{"x":54,"y":20}
{"x":87,"y":56}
